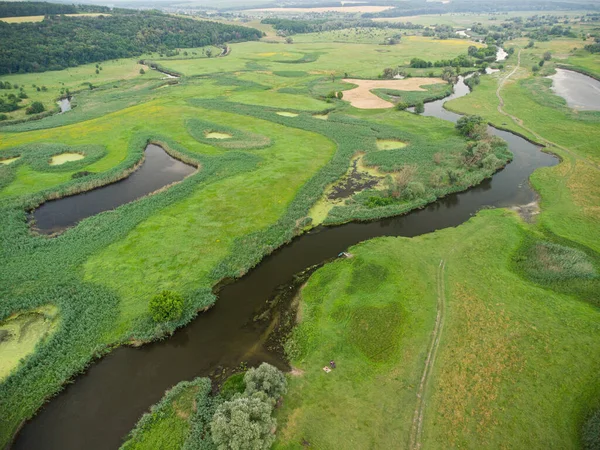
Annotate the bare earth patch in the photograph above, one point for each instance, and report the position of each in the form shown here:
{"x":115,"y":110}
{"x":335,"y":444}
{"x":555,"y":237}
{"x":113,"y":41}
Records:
{"x":362,"y":97}
{"x":217,"y":135}
{"x":64,"y":158}
{"x":7,"y":161}
{"x":287,"y":114}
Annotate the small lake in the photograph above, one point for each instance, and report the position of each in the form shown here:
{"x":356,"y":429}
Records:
{"x":158,"y":170}
{"x":580,"y":91}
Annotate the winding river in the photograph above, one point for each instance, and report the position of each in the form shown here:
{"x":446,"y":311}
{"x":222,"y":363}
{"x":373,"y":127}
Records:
{"x":103,"y":405}
{"x":158,"y":170}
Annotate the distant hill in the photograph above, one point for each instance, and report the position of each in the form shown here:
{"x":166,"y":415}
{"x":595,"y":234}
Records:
{"x":20,"y":9}
{"x":60,"y":41}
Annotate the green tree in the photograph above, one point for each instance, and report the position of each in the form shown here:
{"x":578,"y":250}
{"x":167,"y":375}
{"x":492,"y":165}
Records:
{"x":547,"y":56}
{"x":243,"y":423}
{"x":470,"y":125}
{"x":35,"y":108}
{"x":535,"y":68}
{"x":420,"y":108}
{"x":401,"y":106}
{"x":266,"y":378}
{"x":340,"y":95}
{"x":142,"y":71}
{"x":166,"y":306}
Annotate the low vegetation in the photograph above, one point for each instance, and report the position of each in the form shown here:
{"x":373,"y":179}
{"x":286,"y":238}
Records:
{"x":191,"y":417}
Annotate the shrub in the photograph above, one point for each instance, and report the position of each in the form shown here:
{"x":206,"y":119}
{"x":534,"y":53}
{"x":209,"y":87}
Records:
{"x":535,"y":68}
{"x":438,"y":177}
{"x":490,"y":162}
{"x":142,"y":71}
{"x":266,"y":378}
{"x":375,"y":201}
{"x":414,"y":190}
{"x":35,"y":108}
{"x":591,"y":432}
{"x":340,"y":95}
{"x":166,"y":306}
{"x":3,"y":117}
{"x":420,"y":108}
{"x":470,"y":126}
{"x":401,"y":106}
{"x":547,"y":56}
{"x":243,"y":423}
{"x":235,"y":384}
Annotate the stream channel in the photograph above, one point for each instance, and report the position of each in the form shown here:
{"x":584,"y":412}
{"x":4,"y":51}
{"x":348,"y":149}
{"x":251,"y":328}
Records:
{"x":102,"y":405}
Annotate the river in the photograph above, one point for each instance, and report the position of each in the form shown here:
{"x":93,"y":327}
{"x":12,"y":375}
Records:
{"x":102,"y":405}
{"x":580,"y":91}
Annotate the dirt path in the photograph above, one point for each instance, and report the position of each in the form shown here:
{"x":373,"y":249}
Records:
{"x":520,"y":123}
{"x":417,"y":426}
{"x":362,"y":97}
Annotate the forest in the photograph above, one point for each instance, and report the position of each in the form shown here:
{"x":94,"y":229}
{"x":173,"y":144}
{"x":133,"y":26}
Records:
{"x":59,"y":41}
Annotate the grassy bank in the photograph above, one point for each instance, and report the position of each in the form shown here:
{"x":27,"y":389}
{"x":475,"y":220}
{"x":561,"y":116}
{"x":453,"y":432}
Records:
{"x":504,"y":362}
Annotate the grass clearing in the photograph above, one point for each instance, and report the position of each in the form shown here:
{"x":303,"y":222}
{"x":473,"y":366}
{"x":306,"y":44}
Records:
{"x":65,"y":158}
{"x":389,"y":144}
{"x":21,"y":333}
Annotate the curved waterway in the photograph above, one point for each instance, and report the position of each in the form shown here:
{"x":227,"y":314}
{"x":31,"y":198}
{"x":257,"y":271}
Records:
{"x":159,"y":169}
{"x":103,"y":405}
{"x":580,"y":91}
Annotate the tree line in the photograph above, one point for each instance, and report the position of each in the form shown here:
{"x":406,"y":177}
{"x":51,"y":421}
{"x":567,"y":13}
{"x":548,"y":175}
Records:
{"x":291,"y":26}
{"x":59,"y":42}
{"x":20,"y":9}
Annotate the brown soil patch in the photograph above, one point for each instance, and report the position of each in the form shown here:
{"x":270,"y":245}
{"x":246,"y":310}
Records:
{"x":362,"y":97}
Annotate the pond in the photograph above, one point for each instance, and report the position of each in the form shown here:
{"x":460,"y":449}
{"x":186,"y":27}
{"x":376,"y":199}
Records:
{"x":580,"y":91}
{"x":159,"y":169}
{"x":102,"y":406}
{"x":64,"y":104}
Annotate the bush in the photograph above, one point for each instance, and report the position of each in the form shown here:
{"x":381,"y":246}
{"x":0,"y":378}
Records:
{"x":266,"y":378}
{"x":414,"y":190}
{"x":420,"y":108}
{"x":401,"y":106}
{"x":35,"y":108}
{"x":3,"y":117}
{"x":547,"y":56}
{"x":243,"y":423}
{"x":535,"y":68}
{"x":490,"y":162}
{"x":340,"y":95}
{"x":591,"y":432}
{"x":470,"y":126}
{"x":166,"y":306}
{"x":142,"y":71}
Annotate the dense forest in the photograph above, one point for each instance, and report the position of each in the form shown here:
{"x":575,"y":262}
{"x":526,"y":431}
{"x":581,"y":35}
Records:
{"x":61,"y":41}
{"x":19,"y":9}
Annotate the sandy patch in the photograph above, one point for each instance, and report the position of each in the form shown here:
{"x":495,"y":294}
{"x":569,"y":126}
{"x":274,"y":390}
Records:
{"x":389,"y":144}
{"x":362,"y":97}
{"x":287,"y":114}
{"x":321,"y":116}
{"x":7,"y":161}
{"x":217,"y":135}
{"x":342,"y":9}
{"x":65,"y":158}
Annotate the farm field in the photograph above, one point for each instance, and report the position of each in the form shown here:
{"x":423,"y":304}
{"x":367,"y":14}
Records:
{"x":479,"y":332}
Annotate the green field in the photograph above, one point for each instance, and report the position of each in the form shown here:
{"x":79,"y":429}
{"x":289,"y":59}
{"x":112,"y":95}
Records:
{"x":518,"y":357}
{"x":374,"y":314}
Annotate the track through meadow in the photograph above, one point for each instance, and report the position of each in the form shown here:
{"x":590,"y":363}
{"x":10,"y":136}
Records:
{"x":417,"y":425}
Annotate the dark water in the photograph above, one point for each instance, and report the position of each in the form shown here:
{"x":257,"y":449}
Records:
{"x":158,"y":170}
{"x":103,"y":405}
{"x":580,"y":91}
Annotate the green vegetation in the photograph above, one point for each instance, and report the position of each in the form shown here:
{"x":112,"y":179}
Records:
{"x":166,"y":306}
{"x":169,"y":423}
{"x":21,"y":333}
{"x":191,"y":417}
{"x":61,"y":41}
{"x":374,"y":314}
{"x":522,"y":305}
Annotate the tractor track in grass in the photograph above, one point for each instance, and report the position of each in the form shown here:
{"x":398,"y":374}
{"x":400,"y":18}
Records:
{"x":417,"y":425}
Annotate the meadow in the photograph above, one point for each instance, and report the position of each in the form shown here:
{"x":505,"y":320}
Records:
{"x":285,"y":142}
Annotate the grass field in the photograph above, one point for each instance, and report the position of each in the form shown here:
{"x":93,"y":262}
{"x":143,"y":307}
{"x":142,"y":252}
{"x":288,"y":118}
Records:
{"x":287,"y":144}
{"x":374,"y":313}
